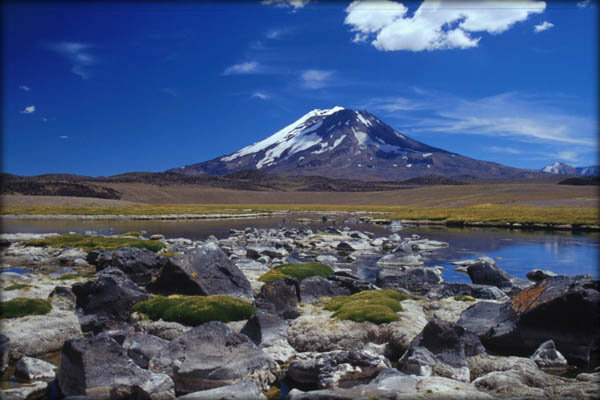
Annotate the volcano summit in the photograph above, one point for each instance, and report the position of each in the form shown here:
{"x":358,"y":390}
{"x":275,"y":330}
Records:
{"x":343,"y":143}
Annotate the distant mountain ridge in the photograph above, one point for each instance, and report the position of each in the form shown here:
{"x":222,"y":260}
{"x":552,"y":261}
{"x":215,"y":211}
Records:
{"x":341,"y":143}
{"x":559,"y":168}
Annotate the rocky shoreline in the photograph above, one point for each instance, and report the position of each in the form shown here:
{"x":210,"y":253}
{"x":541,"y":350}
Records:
{"x":497,"y":337}
{"x":371,"y":217}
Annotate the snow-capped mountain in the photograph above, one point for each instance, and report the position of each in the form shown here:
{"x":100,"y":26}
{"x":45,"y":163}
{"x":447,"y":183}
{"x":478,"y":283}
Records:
{"x":343,"y":143}
{"x":559,"y":168}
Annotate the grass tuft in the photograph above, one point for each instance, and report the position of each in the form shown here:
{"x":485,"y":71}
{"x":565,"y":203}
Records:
{"x":195,"y":310}
{"x":20,"y":307}
{"x":131,"y":233}
{"x":298,"y":271}
{"x":377,"y":306}
{"x":17,"y":286}
{"x":75,"y":276}
{"x":88,"y":243}
{"x":464,"y":298}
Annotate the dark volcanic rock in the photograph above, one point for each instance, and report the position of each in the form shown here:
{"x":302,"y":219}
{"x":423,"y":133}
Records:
{"x":280,"y":297}
{"x":110,"y":296}
{"x":441,"y":349}
{"x":564,"y":309}
{"x":212,"y":355}
{"x":4,"y":352}
{"x":264,"y":328}
{"x":99,"y":368}
{"x":485,"y":272}
{"x":204,"y":270}
{"x":466,"y":289}
{"x":315,"y":287}
{"x":139,"y":264}
{"x":538,"y":275}
{"x":237,"y":391}
{"x":412,"y":278}
{"x":337,"y":369}
{"x":141,"y":347}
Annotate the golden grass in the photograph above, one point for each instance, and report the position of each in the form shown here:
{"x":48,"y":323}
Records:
{"x":485,"y":212}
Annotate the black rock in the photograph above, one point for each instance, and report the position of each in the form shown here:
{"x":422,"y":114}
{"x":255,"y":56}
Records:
{"x":4,"y":352}
{"x":412,"y":278}
{"x":564,"y":309}
{"x":141,"y":347}
{"x":466,"y":289}
{"x":204,"y":270}
{"x":280,"y":297}
{"x":444,"y":346}
{"x":546,"y":356}
{"x":315,"y":287}
{"x":485,"y":272}
{"x":100,"y":368}
{"x":139,"y":264}
{"x":212,"y":355}
{"x":110,"y":296}
{"x":264,"y":328}
{"x":538,"y":275}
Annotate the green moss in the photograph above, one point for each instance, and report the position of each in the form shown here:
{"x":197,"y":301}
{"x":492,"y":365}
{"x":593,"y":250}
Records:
{"x":170,"y":253}
{"x":195,"y":310}
{"x":464,"y":298}
{"x":88,"y":243}
{"x":21,"y":307}
{"x":298,"y":271}
{"x":131,"y":233}
{"x":75,"y":276}
{"x":16,"y":286}
{"x":377,"y":306}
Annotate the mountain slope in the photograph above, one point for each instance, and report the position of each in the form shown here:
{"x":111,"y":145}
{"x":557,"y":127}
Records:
{"x":343,"y":143}
{"x":559,"y":168}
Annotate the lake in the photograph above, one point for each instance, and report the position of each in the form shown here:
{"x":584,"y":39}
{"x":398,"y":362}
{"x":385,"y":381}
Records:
{"x":517,"y":252}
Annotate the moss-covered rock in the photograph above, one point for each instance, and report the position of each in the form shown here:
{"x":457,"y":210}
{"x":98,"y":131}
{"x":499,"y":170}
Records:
{"x":21,"y":307}
{"x":464,"y":298}
{"x":195,"y":310}
{"x":377,"y":306}
{"x":88,"y":243}
{"x":298,"y":271}
{"x":16,"y":286}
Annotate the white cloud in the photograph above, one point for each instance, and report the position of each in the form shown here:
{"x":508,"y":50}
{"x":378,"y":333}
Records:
{"x":276,"y":34}
{"x":570,"y":156}
{"x":79,"y":55}
{"x":25,"y":88}
{"x":543,"y":26}
{"x":435,"y":25}
{"x":261,"y":95}
{"x":28,"y":110}
{"x":509,"y":150}
{"x":583,"y":4}
{"x":315,"y":78}
{"x":251,"y":67}
{"x":295,"y":4}
{"x":392,"y":104}
{"x":44,"y":119}
{"x":64,"y":137}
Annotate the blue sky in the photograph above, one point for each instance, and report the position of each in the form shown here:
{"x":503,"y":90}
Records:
{"x":105,"y":88}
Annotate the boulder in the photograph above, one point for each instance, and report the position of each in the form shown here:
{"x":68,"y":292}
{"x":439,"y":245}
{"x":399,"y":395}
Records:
{"x":35,"y":390}
{"x":31,"y":369}
{"x":546,"y":356}
{"x":139,"y":264}
{"x":354,"y":245}
{"x":99,"y":368}
{"x":351,"y":282}
{"x":538,"y":275}
{"x":166,"y":330}
{"x":466,"y":289}
{"x":280,"y":297}
{"x":442,"y":388}
{"x":204,"y":270}
{"x":269,"y":332}
{"x":441,"y":349}
{"x":4,"y":352}
{"x":141,"y":347}
{"x":337,"y":369}
{"x":564,"y":309}
{"x":256,"y":251}
{"x":315,"y":287}
{"x":36,"y":335}
{"x":212,"y":355}
{"x":400,"y":259}
{"x":412,"y":279}
{"x":237,"y":391}
{"x":484,"y":271}
{"x":63,"y":298}
{"x":110,"y":296}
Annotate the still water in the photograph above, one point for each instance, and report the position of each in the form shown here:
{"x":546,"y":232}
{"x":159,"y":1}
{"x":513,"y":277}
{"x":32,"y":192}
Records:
{"x":517,"y":252}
